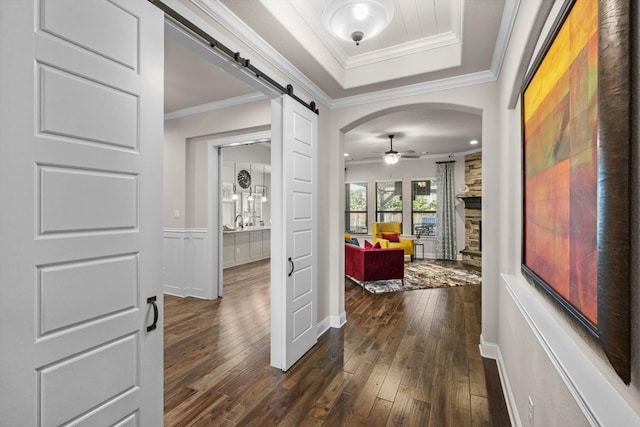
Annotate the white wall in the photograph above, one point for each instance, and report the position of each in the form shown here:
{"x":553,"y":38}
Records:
{"x":541,"y":354}
{"x":408,"y":170}
{"x":186,"y":237}
{"x":185,"y":161}
{"x":252,"y":153}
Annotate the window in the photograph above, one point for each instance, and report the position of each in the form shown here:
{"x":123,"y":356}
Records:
{"x":356,"y":207}
{"x":389,"y":201}
{"x":423,"y":207}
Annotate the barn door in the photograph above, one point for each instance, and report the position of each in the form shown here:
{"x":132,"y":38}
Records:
{"x":81,"y":87}
{"x":299,"y":294}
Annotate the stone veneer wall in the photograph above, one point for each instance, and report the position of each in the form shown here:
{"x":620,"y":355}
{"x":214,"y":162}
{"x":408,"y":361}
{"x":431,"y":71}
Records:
{"x":472,"y":254}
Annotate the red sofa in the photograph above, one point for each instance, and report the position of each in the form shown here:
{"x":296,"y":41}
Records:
{"x":373,"y":264}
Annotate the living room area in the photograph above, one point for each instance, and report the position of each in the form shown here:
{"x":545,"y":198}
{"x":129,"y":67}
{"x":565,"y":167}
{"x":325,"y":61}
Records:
{"x":416,"y":224}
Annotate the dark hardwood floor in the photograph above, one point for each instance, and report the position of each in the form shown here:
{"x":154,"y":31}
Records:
{"x":404,"y":358}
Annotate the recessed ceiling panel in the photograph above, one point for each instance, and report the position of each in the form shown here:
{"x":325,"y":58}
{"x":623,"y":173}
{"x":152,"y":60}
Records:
{"x":426,"y":35}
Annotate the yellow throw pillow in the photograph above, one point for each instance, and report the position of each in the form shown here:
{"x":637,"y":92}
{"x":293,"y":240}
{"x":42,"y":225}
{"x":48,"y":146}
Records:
{"x":347,"y":236}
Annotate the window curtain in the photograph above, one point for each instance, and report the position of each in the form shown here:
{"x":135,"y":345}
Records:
{"x":446,"y":213}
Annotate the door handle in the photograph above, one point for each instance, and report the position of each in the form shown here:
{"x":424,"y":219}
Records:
{"x":292,"y":266}
{"x":152,"y":301}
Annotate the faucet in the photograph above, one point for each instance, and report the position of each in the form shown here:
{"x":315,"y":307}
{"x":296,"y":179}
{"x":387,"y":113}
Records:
{"x":235,"y":220}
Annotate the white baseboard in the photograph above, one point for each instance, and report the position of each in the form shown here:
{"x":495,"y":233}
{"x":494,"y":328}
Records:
{"x":176,"y":291}
{"x":492,"y":351}
{"x":323,"y":326}
{"x":245,"y":261}
{"x":331,"y":322}
{"x":339,"y":321}
{"x":488,"y":350}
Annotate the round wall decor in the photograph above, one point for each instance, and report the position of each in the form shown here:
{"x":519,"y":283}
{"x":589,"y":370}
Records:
{"x":244,"y":179}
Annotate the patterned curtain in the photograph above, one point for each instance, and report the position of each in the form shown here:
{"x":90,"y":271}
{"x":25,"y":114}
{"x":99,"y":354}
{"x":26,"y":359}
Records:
{"x":446,"y":213}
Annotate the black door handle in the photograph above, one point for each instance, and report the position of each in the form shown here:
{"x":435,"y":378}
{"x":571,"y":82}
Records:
{"x":292,"y":266}
{"x":152,"y":301}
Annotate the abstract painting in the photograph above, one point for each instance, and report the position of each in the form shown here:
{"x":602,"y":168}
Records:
{"x":570,"y":145}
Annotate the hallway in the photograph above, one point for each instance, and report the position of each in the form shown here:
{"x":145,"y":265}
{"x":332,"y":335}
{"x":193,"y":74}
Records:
{"x":405,"y":358}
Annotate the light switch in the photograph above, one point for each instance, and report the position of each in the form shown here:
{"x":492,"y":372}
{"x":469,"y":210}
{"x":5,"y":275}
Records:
{"x":176,"y":214}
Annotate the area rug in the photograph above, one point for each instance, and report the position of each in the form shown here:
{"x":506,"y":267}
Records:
{"x":424,"y":275}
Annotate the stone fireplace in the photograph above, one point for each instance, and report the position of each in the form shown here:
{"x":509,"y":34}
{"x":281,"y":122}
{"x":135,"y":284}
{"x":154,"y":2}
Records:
{"x":472,"y":197}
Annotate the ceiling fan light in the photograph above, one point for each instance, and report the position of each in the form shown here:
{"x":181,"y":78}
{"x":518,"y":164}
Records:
{"x":356,"y":20}
{"x":391,"y":158}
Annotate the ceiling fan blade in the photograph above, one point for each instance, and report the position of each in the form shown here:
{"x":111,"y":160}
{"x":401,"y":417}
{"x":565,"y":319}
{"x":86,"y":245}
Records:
{"x":409,"y":155}
{"x":369,"y":157}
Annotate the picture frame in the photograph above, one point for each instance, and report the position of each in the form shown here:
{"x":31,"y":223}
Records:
{"x":260,"y":190}
{"x":576,"y":136}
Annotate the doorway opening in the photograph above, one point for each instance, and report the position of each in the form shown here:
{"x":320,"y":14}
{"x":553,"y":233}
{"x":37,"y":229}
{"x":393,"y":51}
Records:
{"x":207,"y":129}
{"x":244,"y":202}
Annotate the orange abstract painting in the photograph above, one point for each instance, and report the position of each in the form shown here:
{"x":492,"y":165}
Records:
{"x":560,"y":118}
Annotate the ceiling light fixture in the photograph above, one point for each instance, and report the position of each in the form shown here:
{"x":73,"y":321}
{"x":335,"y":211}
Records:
{"x":357,"y":20}
{"x":473,"y":142}
{"x":391,"y":158}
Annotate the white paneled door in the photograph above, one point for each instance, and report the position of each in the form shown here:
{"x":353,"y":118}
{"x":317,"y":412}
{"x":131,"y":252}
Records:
{"x":300,"y":134}
{"x":81,"y":105}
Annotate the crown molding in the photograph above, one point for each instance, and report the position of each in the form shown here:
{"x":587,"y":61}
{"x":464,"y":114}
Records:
{"x":212,"y":106}
{"x":409,"y":48}
{"x":239,"y":29}
{"x":479,"y":77}
{"x":243,"y":32}
{"x":504,"y":34}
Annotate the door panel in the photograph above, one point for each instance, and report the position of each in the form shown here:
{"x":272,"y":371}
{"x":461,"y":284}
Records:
{"x":80,"y":245}
{"x":299,"y":145}
{"x":92,"y":112}
{"x":113,"y":35}
{"x":112,"y":291}
{"x":87,"y":380}
{"x":73,"y":200}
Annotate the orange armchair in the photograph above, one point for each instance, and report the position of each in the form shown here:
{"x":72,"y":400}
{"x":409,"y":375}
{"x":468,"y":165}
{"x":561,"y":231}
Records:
{"x":379,"y":228}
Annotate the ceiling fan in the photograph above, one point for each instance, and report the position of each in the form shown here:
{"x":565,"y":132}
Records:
{"x":392,"y":156}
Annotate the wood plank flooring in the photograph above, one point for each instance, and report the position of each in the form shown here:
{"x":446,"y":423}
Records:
{"x":404,"y":358}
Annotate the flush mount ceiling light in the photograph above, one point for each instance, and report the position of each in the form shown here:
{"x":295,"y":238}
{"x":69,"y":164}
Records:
{"x":357,"y":20}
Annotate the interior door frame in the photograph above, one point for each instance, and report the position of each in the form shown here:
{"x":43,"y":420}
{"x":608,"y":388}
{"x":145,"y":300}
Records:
{"x":214,"y":238}
{"x":278,"y":274}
